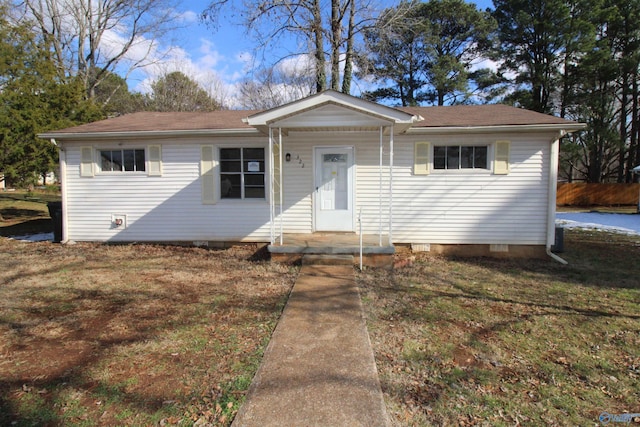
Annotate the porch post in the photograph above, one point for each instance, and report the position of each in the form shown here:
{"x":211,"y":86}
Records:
{"x":272,"y":230}
{"x":275,"y":181}
{"x":280,"y":185}
{"x":380,"y":196}
{"x":391,"y":185}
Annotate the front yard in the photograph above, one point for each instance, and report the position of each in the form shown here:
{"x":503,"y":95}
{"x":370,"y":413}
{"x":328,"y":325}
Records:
{"x":142,"y":335}
{"x":484,"y":342}
{"x":132,"y":335}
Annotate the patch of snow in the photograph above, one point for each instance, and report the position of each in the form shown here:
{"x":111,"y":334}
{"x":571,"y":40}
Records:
{"x":614,"y":223}
{"x":40,"y":237}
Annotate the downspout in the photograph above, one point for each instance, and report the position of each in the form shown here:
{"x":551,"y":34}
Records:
{"x":62,"y":159}
{"x":551,"y":202}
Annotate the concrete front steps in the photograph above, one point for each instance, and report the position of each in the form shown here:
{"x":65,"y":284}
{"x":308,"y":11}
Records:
{"x":333,"y":249}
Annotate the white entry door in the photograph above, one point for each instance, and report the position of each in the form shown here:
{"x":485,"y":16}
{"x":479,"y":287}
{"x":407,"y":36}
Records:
{"x":333,"y":201}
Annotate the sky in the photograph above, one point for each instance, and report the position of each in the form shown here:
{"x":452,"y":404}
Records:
{"x":217,"y":59}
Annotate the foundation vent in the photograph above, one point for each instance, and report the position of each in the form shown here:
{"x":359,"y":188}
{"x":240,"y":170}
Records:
{"x":421,"y":247}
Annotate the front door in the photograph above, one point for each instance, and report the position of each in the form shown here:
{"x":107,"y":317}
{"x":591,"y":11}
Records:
{"x":333,"y":201}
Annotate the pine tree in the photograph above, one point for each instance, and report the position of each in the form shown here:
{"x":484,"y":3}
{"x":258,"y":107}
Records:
{"x":32,"y":100}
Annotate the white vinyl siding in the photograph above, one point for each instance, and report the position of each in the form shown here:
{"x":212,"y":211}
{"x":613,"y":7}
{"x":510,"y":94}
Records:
{"x":299,"y":183}
{"x":456,"y":207}
{"x":473,"y":206}
{"x":166,"y":208}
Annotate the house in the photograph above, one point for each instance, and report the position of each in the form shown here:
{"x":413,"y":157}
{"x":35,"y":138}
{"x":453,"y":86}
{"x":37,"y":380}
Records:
{"x":479,"y":180}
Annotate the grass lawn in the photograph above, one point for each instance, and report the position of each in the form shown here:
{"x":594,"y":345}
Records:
{"x":132,"y":335}
{"x":521,"y":342}
{"x":142,"y":335}
{"x":23,"y":212}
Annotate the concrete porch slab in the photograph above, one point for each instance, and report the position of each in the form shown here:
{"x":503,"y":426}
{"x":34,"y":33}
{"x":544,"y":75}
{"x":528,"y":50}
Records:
{"x":332,"y":243}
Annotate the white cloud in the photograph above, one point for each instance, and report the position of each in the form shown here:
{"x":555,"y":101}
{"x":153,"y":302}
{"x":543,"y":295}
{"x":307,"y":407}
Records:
{"x":188,"y":16}
{"x":214,"y":71}
{"x":210,"y":56}
{"x":296,"y":65}
{"x":485,"y":63}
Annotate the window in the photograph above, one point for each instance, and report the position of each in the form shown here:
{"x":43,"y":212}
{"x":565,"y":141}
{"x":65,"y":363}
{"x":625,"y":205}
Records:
{"x":242,"y":173}
{"x":460,"y":157}
{"x":130,"y":160}
{"x":122,"y":160}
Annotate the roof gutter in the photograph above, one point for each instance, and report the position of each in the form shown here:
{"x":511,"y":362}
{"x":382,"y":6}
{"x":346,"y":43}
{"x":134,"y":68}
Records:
{"x":548,"y":127}
{"x":148,"y":134}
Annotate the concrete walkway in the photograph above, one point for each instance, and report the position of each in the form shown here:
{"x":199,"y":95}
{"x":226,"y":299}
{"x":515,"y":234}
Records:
{"x":318,"y":369}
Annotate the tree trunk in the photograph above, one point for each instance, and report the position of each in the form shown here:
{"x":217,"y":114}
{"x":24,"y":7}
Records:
{"x":624,"y":96}
{"x":348,"y":58}
{"x":321,"y":76}
{"x":336,"y":36}
{"x":633,"y":152}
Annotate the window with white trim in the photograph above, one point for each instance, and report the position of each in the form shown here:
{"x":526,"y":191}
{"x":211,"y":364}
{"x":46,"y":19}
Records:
{"x":126,"y":160}
{"x":457,"y":157}
{"x":122,"y":160}
{"x":242,"y":173}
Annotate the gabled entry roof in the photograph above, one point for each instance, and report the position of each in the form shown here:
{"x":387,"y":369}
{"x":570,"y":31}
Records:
{"x":332,"y":110}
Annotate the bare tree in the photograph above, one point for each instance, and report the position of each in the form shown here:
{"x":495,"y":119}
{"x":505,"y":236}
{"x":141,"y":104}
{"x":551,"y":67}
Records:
{"x":328,"y":31}
{"x":218,"y":91}
{"x":90,"y":38}
{"x":285,"y":82}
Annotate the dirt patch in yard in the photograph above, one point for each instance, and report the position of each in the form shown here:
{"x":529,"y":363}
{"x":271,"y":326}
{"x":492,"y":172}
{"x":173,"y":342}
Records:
{"x":95,"y":334}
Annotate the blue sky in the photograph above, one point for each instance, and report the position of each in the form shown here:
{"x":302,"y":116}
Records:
{"x":217,"y":59}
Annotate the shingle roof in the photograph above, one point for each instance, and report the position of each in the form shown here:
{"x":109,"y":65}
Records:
{"x":480,"y":115}
{"x":155,"y":121}
{"x":432,"y":117}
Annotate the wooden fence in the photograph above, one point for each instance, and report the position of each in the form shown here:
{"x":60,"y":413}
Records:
{"x":584,"y":194}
